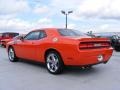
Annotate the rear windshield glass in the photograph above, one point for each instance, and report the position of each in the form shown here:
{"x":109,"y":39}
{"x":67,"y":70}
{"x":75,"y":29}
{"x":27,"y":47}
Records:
{"x":10,"y":34}
{"x":70,"y":32}
{"x":0,"y":34}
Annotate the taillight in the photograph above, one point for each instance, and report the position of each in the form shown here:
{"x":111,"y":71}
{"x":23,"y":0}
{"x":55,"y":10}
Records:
{"x":92,"y":45}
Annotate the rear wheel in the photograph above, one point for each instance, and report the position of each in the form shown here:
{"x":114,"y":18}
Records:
{"x":54,"y":62}
{"x":11,"y":55}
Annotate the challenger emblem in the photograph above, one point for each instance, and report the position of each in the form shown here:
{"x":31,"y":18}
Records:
{"x":97,"y":45}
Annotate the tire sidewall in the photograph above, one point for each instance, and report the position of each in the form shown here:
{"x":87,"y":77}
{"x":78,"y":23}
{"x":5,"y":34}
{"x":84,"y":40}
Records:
{"x":60,"y":63}
{"x":14,"y":59}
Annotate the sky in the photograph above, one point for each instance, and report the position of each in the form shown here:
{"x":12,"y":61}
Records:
{"x":88,"y":15}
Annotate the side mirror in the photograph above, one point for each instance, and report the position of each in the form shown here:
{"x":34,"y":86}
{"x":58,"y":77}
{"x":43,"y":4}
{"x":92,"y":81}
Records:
{"x":22,"y":38}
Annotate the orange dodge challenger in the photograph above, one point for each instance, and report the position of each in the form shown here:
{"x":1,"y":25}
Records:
{"x":60,"y":47}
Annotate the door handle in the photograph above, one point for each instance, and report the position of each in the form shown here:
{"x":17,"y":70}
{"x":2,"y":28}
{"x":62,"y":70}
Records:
{"x":33,"y":43}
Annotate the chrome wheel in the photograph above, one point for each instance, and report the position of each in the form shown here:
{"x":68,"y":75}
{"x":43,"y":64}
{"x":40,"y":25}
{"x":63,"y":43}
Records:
{"x":52,"y":62}
{"x":11,"y":54}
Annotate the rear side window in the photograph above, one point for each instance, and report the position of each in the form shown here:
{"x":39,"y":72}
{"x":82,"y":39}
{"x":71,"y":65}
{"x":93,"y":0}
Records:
{"x":70,"y":32}
{"x":42,"y":34}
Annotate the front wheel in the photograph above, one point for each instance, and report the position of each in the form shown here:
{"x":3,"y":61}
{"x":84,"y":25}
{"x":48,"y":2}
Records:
{"x":11,"y":55}
{"x":54,"y":62}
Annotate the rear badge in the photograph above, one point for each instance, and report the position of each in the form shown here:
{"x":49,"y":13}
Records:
{"x":97,"y":45}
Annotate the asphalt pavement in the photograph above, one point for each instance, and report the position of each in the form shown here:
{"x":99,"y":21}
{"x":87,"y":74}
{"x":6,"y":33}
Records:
{"x":32,"y":76}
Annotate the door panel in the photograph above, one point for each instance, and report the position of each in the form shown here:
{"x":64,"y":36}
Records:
{"x":26,"y":49}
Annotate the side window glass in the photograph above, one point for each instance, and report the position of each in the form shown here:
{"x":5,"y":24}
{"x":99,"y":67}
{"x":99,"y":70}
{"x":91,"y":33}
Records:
{"x":32,"y":36}
{"x":5,"y":35}
{"x":42,"y":34}
{"x":0,"y":34}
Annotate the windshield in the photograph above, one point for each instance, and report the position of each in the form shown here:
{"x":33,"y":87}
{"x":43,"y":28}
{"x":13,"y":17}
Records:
{"x":70,"y":32}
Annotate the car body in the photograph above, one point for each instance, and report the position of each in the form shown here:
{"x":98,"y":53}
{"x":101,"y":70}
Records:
{"x":6,"y":37}
{"x":115,"y":42}
{"x":60,"y":47}
{"x":114,"y":39}
{"x":5,"y":41}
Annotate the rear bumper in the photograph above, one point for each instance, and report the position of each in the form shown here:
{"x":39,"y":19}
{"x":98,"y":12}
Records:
{"x":88,"y":57}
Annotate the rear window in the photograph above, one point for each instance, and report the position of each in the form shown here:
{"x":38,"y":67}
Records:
{"x":10,"y":34}
{"x":14,"y":34}
{"x":70,"y":32}
{"x":5,"y":35}
{"x":0,"y":34}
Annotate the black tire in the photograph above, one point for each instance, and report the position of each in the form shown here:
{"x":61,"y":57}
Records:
{"x":12,"y":55}
{"x":54,"y":63}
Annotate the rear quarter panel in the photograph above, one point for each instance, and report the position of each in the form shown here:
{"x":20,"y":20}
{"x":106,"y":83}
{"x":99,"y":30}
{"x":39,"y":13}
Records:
{"x":66,"y":47}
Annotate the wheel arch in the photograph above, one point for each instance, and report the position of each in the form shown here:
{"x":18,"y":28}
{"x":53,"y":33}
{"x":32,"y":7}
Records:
{"x":52,"y":49}
{"x":10,"y":46}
